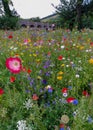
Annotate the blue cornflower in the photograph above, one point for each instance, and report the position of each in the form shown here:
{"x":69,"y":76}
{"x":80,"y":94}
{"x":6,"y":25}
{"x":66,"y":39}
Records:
{"x":75,"y":102}
{"x":90,"y":119}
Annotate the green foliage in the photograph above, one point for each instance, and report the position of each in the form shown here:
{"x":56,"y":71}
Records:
{"x":71,"y":13}
{"x":37,"y":19}
{"x":9,"y":22}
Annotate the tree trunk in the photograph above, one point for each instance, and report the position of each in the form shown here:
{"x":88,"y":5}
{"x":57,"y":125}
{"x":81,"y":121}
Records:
{"x":6,"y":8}
{"x":79,"y":14}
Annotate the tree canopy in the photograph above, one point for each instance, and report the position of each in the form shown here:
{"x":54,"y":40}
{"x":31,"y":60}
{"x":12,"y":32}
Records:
{"x":9,"y":18}
{"x":72,"y":12}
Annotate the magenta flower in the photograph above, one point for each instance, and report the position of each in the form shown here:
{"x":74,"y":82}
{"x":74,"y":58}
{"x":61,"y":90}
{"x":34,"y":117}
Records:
{"x":13,"y":64}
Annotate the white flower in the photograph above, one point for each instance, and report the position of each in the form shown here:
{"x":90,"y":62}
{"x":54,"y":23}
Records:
{"x":77,"y":76}
{"x":65,"y":94}
{"x":63,"y":58}
{"x":21,"y":125}
{"x":87,"y":50}
{"x":28,"y":104}
{"x":68,"y":59}
{"x":74,"y":44}
{"x":49,"y":43}
{"x":90,"y":50}
{"x":67,"y":65}
{"x":11,"y":47}
{"x":79,"y":61}
{"x":62,"y":47}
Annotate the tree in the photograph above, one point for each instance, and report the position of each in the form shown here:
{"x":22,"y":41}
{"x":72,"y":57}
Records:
{"x":67,"y":12}
{"x":6,"y":8}
{"x":35,"y":19}
{"x":71,"y":12}
{"x":9,"y":18}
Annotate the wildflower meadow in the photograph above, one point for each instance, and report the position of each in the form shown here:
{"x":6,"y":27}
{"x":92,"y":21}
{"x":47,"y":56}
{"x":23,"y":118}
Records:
{"x":46,"y":79}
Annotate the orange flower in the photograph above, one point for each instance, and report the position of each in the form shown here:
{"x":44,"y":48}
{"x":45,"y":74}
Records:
{"x":35,"y":97}
{"x":29,"y":71}
{"x":91,"y":61}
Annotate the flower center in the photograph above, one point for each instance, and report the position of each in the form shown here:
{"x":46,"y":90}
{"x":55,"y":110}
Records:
{"x":16,"y":63}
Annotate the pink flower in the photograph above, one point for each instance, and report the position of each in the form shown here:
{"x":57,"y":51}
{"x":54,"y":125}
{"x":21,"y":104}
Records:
{"x":14,"y":64}
{"x":1,"y":91}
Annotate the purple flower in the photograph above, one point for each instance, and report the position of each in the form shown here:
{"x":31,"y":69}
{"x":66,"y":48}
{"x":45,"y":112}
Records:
{"x":50,"y":90}
{"x":32,"y":82}
{"x":47,"y":73}
{"x":44,"y":82}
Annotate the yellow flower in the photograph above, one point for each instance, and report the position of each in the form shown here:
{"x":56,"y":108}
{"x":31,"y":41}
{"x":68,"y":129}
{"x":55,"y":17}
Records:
{"x":60,"y":73}
{"x":38,"y":77}
{"x":30,"y":55}
{"x":62,"y":65}
{"x":77,"y":46}
{"x":81,"y":47}
{"x":59,"y":77}
{"x":38,"y":60}
{"x":34,"y":55}
{"x":21,"y":53}
{"x":91,"y":61}
{"x":89,"y":40}
{"x":29,"y":40}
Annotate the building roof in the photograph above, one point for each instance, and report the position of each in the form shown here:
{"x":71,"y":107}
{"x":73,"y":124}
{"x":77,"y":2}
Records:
{"x":52,"y":16}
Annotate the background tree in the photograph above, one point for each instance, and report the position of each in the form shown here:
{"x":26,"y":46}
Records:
{"x":7,"y":8}
{"x":35,"y":19}
{"x":72,"y":12}
{"x":9,"y":18}
{"x":67,"y":13}
{"x":79,"y":7}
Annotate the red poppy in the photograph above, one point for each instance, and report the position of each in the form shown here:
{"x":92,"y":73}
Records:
{"x":67,"y":49}
{"x":35,"y":97}
{"x":61,"y":126}
{"x":60,"y":57}
{"x":10,"y":36}
{"x":49,"y":40}
{"x":91,"y":43}
{"x":12,"y":79}
{"x":29,"y":71}
{"x":64,"y":90}
{"x":1,"y":91}
{"x":49,"y":54}
{"x":85,"y":93}
{"x":70,"y":99}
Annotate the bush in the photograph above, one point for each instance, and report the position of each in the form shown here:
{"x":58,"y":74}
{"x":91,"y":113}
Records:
{"x":8,"y":22}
